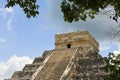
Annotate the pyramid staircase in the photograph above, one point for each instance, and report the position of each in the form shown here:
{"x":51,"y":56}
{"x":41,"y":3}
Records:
{"x":56,"y":65}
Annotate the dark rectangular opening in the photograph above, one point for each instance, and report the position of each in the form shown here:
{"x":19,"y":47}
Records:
{"x":68,"y":45}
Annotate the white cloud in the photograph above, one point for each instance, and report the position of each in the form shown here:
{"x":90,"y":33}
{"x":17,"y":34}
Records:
{"x":116,"y":52}
{"x":7,"y":11}
{"x":2,"y":40}
{"x":9,"y":24}
{"x":10,"y":10}
{"x":15,"y":63}
{"x":104,"y":46}
{"x":119,"y":46}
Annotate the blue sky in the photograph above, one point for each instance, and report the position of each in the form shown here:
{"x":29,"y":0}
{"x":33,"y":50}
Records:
{"x":22,"y":39}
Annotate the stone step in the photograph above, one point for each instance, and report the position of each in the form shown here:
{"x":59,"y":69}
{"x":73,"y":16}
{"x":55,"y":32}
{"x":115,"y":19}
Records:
{"x":18,"y":75}
{"x":21,"y":79}
{"x":46,"y":53}
{"x":31,"y":66}
{"x":39,"y":60}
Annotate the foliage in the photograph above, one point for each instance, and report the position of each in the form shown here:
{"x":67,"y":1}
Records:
{"x":75,"y":10}
{"x":112,"y":67}
{"x":29,"y":7}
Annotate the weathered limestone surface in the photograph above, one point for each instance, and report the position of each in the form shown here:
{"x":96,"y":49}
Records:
{"x":76,"y":39}
{"x":87,"y":64}
{"x":75,"y":57}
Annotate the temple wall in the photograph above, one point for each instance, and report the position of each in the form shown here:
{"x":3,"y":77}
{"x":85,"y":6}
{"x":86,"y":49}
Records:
{"x":75,"y":39}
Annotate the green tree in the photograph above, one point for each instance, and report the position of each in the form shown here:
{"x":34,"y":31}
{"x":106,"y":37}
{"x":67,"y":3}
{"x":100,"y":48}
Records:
{"x":30,"y":7}
{"x":112,"y":67}
{"x":75,"y":10}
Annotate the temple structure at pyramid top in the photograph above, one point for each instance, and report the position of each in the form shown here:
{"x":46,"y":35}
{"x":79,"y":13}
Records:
{"x":76,"y":39}
{"x":75,"y":57}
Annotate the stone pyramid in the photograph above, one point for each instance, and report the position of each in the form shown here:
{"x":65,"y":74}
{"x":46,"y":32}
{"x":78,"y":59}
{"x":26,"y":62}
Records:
{"x":75,"y":57}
